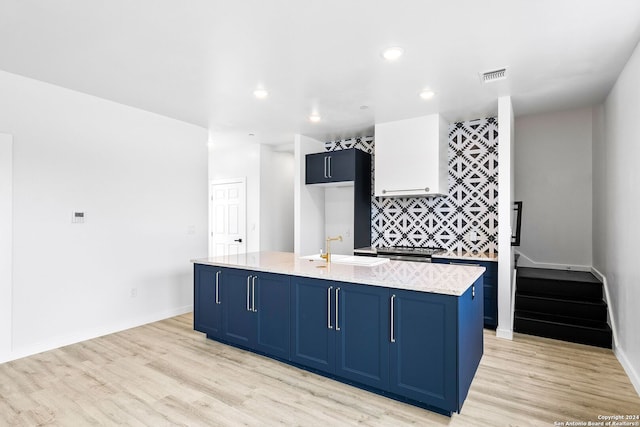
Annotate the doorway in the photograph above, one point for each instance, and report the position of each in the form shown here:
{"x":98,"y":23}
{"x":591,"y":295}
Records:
{"x":228,"y":213}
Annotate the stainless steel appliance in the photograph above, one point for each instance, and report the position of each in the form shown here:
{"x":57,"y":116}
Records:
{"x":408,"y":253}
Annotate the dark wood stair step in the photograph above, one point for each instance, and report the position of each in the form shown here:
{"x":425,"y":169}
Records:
{"x":579,"y":285}
{"x":564,"y":328}
{"x":586,"y":309}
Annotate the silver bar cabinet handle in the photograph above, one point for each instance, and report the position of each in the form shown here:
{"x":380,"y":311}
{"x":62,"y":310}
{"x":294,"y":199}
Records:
{"x":248,"y":293}
{"x":218,"y":287}
{"x":426,"y":190}
{"x":329,"y":307}
{"x":325,"y":166}
{"x":393,"y":335}
{"x":337,"y":309}
{"x":253,"y":294}
{"x":329,"y":173}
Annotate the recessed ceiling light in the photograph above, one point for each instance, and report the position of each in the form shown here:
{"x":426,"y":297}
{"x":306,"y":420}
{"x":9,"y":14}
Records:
{"x":260,"y":93}
{"x":315,"y":118}
{"x":392,"y":53}
{"x":427,"y":94}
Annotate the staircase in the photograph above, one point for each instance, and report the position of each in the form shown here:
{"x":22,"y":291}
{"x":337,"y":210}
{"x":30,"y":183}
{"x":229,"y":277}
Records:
{"x":560,"y":304}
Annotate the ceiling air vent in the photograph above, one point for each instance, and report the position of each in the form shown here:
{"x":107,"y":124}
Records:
{"x":492,"y":76}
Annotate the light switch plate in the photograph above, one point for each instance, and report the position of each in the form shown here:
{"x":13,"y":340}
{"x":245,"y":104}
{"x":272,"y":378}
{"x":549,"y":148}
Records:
{"x":77,"y":217}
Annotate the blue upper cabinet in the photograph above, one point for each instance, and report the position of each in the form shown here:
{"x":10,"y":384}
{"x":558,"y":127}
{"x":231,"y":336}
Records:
{"x":207,"y":310}
{"x":423,"y":351}
{"x":332,"y":166}
{"x":351,"y":165}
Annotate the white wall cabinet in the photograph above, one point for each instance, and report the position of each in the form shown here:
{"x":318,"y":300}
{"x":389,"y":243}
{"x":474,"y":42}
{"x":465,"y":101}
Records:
{"x":412,"y":157}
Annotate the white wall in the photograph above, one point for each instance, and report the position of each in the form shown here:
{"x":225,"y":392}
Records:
{"x":309,"y":233}
{"x":6,"y":231}
{"x":276,"y":200}
{"x":269,"y":176}
{"x":599,"y":169}
{"x":617,"y":209}
{"x":339,"y":216}
{"x":232,"y":158}
{"x":141,"y":180}
{"x":506,"y":178}
{"x":554,"y":181}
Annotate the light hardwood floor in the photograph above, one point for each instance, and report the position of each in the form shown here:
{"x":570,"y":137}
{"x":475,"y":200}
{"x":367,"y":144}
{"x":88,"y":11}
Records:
{"x":164,"y":373}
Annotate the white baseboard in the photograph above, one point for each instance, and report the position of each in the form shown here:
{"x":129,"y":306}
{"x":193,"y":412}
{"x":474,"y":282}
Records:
{"x":506,"y":334}
{"x":525,"y":261}
{"x":62,"y":341}
{"x":628,"y":368}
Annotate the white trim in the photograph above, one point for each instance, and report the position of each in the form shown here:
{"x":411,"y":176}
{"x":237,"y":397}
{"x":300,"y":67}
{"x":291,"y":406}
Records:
{"x":243,"y":181}
{"x":506,"y":334}
{"x":525,"y":261}
{"x":62,"y":341}
{"x":6,"y":244}
{"x":607,"y":298}
{"x":227,"y":181}
{"x":628,"y":367}
{"x":505,"y":209}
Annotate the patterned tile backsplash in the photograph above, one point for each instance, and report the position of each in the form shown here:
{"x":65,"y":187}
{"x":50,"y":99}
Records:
{"x":448,"y":222}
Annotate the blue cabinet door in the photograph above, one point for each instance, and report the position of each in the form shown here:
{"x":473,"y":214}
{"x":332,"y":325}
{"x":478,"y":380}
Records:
{"x":333,"y":166}
{"x":206,"y":308}
{"x":316,"y":168}
{"x":362,"y":327}
{"x":424,"y":352}
{"x":312,"y":327}
{"x":342,"y":165}
{"x":238,"y":322}
{"x":490,"y":278}
{"x":273,"y":316}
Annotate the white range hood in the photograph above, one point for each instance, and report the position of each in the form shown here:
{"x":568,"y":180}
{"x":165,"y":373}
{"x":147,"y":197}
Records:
{"x":411,"y":157}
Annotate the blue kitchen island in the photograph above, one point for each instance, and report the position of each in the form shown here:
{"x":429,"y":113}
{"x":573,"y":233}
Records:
{"x":408,"y":331}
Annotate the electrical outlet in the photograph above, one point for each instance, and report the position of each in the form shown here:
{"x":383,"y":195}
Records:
{"x":134,"y":292}
{"x":473,"y":236}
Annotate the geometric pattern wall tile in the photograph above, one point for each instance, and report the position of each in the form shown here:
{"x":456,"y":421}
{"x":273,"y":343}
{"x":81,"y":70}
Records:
{"x":470,"y":205}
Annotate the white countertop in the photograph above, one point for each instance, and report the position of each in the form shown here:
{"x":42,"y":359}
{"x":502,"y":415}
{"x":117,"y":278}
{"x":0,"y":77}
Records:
{"x":468,"y":255}
{"x":415,"y":276}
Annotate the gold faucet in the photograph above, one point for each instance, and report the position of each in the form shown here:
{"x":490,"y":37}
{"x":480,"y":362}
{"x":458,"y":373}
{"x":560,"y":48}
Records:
{"x":327,"y":256}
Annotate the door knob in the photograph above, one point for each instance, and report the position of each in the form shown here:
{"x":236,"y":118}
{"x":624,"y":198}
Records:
{"x":238,"y":240}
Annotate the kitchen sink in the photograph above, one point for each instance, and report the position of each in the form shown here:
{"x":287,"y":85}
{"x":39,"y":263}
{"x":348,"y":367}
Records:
{"x":365,"y":261}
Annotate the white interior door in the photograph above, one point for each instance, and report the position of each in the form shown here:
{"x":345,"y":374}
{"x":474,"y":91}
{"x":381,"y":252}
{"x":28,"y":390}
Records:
{"x":228,"y":218}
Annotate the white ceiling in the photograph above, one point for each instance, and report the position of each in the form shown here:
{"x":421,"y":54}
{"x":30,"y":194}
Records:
{"x":200,"y":60}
